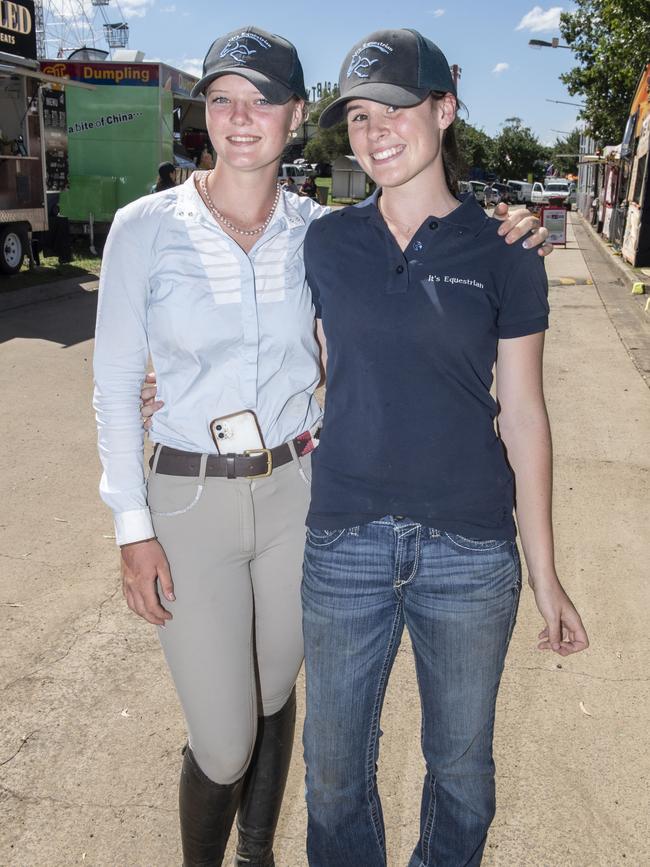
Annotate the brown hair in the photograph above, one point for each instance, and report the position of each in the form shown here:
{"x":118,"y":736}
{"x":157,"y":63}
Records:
{"x":449,"y":148}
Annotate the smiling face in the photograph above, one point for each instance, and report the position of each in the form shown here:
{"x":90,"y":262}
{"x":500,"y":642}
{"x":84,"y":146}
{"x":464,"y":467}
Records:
{"x":246,"y":130}
{"x":396,"y":145}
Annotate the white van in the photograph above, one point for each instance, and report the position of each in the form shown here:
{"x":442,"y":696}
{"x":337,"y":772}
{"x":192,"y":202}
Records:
{"x":290,"y":170}
{"x":522,"y":190}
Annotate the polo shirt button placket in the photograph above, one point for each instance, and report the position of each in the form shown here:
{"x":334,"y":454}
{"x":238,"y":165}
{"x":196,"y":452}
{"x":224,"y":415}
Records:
{"x":400,"y":269}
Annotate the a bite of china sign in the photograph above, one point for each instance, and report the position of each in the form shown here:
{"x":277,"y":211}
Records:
{"x":18,"y":28}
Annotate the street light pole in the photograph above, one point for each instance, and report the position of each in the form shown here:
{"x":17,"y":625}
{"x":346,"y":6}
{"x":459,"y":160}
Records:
{"x":541,"y":43}
{"x":562,"y":102}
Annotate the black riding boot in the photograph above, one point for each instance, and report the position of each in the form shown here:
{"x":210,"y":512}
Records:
{"x":264,"y":784}
{"x":207,"y":811}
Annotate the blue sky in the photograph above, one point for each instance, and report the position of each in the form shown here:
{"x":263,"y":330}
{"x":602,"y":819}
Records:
{"x":501,"y":76}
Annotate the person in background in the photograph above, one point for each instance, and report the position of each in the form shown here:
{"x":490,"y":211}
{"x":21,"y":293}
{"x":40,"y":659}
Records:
{"x":308,"y":187}
{"x":205,"y":161}
{"x":166,"y":177}
{"x":290,"y":185}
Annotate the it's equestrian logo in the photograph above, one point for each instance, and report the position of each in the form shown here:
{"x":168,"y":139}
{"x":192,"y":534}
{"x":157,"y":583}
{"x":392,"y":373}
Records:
{"x":361,"y":63}
{"x":238,"y":48}
{"x":446,"y":278}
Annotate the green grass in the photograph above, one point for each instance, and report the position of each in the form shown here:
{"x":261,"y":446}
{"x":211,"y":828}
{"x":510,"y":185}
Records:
{"x":327,"y":182}
{"x":83,"y":264}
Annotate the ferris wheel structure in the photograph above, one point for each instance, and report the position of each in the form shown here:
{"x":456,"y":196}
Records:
{"x":63,"y":26}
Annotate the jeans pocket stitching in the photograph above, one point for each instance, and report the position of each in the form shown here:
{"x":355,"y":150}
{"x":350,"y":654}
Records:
{"x":475,"y":545}
{"x":323,"y":541}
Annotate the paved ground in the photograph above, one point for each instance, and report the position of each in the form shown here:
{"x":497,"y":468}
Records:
{"x":90,"y":730}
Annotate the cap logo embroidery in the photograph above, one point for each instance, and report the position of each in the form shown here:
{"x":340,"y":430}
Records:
{"x":360,"y":63}
{"x":237,"y":48}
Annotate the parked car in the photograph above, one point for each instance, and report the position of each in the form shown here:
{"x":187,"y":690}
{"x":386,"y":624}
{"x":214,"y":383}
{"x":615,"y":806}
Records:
{"x":520,"y":191}
{"x":556,"y":188}
{"x":490,"y":196}
{"x":476,"y":188}
{"x":573,"y":194}
{"x":496,"y":193}
{"x":290,"y":170}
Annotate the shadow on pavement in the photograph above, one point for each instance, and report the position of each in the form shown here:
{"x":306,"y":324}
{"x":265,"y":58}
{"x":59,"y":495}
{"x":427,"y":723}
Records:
{"x":68,"y":320}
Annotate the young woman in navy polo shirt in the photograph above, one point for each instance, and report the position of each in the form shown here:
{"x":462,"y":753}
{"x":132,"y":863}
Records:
{"x":411,"y":519}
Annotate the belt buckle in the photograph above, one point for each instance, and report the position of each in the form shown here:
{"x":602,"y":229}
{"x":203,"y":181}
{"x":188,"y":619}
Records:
{"x":249,"y":453}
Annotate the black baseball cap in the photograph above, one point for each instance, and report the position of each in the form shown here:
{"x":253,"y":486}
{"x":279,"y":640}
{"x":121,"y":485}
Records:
{"x":269,"y":62}
{"x":394,"y":67}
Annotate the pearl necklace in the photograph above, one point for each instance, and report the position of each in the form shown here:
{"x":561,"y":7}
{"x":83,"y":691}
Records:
{"x":203,"y":183}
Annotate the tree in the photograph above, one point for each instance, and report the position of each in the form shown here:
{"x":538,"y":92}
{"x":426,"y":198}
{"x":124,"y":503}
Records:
{"x":517,"y":150}
{"x":475,"y":149}
{"x":327,"y":144}
{"x":564,"y":154}
{"x":610,"y":39}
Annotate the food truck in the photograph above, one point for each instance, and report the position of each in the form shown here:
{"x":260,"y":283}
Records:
{"x":137,"y":115}
{"x":636,"y":145}
{"x":24,"y":213}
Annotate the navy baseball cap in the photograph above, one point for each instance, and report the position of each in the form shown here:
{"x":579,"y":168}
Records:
{"x":268,"y":61}
{"x":394,"y":67}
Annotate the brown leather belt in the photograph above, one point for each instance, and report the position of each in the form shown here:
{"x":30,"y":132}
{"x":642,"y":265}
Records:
{"x":254,"y":464}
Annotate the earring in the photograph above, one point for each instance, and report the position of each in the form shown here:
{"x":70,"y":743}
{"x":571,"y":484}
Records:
{"x":293,"y":134}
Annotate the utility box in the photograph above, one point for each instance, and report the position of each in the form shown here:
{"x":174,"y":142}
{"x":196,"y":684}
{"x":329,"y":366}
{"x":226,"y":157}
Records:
{"x":348,"y":179}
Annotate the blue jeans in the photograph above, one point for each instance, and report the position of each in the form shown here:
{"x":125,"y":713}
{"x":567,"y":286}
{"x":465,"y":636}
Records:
{"x":458,"y":599}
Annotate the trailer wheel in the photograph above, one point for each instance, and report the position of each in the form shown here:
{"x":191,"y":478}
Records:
{"x":12,"y":250}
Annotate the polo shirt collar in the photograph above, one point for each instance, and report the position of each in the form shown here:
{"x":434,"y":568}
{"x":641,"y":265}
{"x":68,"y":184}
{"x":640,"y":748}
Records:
{"x":468,"y":215}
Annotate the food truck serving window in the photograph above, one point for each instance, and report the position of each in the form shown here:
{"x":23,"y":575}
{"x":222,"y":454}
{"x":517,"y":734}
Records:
{"x":18,"y":28}
{"x":13,"y":104}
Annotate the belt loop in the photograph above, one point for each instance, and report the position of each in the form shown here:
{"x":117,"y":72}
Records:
{"x":294,"y":456}
{"x":230,"y":467}
{"x":156,"y":455}
{"x":202,"y":469}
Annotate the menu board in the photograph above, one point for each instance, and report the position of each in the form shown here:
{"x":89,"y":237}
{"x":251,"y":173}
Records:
{"x":56,"y":140}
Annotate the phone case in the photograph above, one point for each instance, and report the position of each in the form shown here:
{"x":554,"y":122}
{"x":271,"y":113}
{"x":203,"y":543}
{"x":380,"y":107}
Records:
{"x":236,"y":433}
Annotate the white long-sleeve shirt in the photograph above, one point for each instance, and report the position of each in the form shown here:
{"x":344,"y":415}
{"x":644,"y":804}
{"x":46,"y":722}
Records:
{"x":226,"y":331}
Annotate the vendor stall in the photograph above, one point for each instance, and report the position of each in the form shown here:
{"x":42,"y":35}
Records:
{"x":138,"y":115}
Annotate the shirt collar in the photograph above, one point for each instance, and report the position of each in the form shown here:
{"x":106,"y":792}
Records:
{"x":287,"y":212}
{"x":468,"y":215}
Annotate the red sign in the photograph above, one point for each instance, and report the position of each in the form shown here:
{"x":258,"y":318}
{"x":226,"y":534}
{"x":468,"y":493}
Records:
{"x":90,"y":72}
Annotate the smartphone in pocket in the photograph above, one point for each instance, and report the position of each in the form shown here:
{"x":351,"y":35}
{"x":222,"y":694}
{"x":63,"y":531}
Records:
{"x":237,"y":433}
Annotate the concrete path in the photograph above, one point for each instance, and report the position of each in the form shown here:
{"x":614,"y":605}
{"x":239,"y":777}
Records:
{"x":90,"y":729}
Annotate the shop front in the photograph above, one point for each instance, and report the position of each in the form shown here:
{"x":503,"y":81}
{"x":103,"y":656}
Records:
{"x":636,"y":242}
{"x":23,"y":200}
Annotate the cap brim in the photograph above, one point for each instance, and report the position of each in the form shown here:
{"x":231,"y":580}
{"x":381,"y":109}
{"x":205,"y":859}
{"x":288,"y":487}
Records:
{"x":377,"y":91}
{"x":275,"y":92}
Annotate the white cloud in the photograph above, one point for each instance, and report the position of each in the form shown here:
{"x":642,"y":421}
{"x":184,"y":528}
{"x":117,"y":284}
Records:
{"x":501,"y":67}
{"x":171,"y":8}
{"x":539,"y":20}
{"x":135,"y":8}
{"x":437,"y":13}
{"x":191,"y":65}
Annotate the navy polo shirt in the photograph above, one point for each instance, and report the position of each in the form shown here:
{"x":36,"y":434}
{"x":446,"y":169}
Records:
{"x":412,"y":340}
